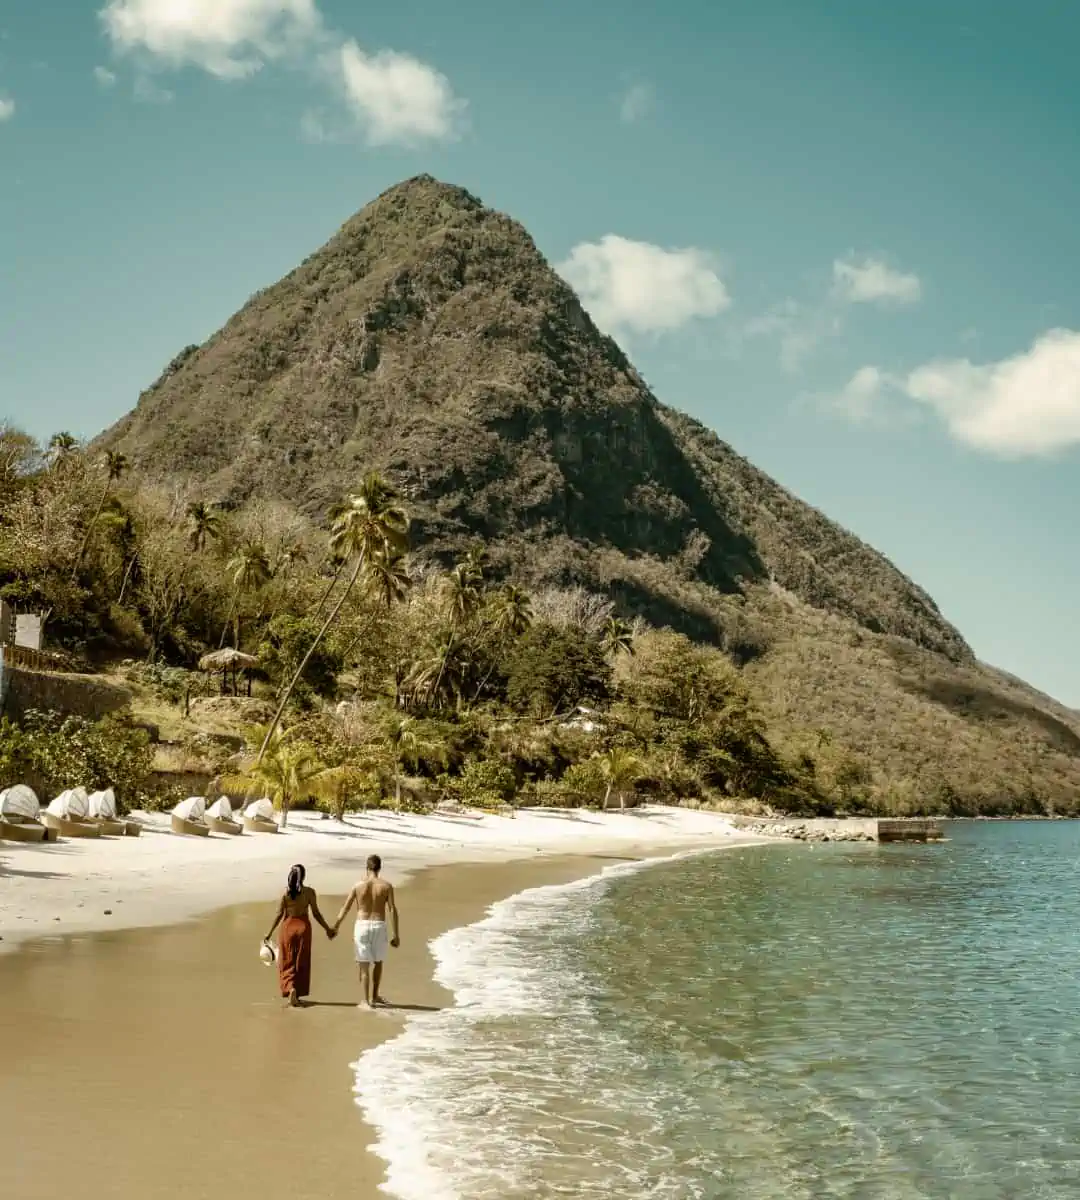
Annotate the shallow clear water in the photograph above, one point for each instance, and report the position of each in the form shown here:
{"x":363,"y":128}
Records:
{"x":769,"y":1022}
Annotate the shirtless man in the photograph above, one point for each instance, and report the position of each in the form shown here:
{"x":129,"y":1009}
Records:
{"x":374,"y":898}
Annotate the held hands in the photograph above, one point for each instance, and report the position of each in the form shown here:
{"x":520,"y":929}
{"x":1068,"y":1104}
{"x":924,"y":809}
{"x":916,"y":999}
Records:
{"x":395,"y":942}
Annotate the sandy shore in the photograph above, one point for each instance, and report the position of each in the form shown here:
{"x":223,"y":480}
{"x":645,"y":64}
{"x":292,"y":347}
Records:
{"x":80,"y":885}
{"x":157,"y":1063}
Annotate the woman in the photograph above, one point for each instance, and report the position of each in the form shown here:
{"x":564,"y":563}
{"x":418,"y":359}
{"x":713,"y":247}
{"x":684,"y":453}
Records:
{"x":294,"y":944}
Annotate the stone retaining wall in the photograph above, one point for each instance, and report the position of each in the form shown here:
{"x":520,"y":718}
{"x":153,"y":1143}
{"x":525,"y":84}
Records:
{"x":80,"y":695}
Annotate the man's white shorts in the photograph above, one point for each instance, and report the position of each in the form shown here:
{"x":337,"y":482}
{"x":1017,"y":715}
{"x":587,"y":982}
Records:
{"x":371,"y":941}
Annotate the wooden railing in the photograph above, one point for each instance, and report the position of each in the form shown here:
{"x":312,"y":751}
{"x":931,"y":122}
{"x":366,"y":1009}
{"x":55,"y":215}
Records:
{"x":32,"y":660}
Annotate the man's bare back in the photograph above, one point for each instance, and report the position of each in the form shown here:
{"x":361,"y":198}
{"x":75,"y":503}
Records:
{"x":375,"y":908}
{"x":372,"y":898}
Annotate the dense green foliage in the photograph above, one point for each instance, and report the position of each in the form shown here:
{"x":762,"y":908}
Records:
{"x":414,"y":683}
{"x":52,"y":752}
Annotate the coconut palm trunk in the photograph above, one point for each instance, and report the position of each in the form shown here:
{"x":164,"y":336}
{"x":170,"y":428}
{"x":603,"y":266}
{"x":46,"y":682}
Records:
{"x":360,"y":560}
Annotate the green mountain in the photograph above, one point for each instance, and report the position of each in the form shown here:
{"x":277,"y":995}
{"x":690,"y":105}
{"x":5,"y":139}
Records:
{"x":429,"y":338}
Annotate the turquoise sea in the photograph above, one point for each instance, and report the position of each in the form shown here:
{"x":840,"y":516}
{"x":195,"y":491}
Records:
{"x":870,"y":1022}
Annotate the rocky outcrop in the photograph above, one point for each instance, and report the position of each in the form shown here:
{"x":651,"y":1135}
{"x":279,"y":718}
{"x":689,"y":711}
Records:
{"x":811,"y":830}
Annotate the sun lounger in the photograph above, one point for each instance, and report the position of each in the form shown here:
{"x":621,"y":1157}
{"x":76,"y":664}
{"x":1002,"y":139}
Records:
{"x":188,"y":818}
{"x":20,"y":816}
{"x":219,"y":818}
{"x":259,"y":817}
{"x":101,"y":811}
{"x":68,"y":815}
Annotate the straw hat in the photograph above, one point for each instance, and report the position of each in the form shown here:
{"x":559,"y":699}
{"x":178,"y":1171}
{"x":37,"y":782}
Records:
{"x":267,"y":954}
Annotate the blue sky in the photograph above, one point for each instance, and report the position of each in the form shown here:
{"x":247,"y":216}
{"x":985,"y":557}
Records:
{"x":843,"y":235}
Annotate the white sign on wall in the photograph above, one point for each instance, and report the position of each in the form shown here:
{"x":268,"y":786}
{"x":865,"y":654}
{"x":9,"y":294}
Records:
{"x":28,"y":630}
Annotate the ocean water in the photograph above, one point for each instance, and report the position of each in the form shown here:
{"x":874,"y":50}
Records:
{"x":783,"y":1021}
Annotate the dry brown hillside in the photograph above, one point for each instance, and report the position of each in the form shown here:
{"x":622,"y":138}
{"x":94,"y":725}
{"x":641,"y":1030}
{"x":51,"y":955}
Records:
{"x":430,"y":338}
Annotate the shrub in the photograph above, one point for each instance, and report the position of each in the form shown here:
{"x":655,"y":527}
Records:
{"x":553,"y":670}
{"x":53,"y":752}
{"x":585,"y":779}
{"x":484,"y":783}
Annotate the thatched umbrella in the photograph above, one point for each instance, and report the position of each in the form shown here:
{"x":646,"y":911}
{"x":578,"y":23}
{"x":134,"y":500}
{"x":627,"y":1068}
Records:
{"x":229,"y":660}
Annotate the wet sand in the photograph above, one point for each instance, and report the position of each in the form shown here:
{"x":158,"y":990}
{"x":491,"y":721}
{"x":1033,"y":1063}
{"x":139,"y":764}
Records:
{"x":157,"y":1064}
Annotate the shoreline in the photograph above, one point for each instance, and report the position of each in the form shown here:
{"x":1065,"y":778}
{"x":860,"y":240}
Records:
{"x":63,"y":986}
{"x":82,"y":886}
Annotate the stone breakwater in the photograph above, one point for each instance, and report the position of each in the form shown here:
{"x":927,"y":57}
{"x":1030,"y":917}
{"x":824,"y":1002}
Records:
{"x":810,"y":830}
{"x":853,"y":829}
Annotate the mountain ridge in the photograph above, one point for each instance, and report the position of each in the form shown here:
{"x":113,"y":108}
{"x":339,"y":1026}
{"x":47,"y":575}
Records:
{"x":430,"y":339}
{"x":331,"y":331}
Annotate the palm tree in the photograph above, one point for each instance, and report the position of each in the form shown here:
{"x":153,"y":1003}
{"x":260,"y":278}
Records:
{"x":618,"y":637}
{"x":61,"y":449}
{"x":511,"y":617}
{"x":388,"y":578}
{"x":370,"y":525}
{"x":476,"y":563}
{"x":287,"y":558}
{"x":250,"y":569}
{"x":621,"y":770}
{"x":203,"y":525}
{"x":410,"y":748}
{"x":462,"y":594}
{"x":440,"y":675}
{"x":123,"y":533}
{"x":335,"y":560}
{"x":115,"y":465}
{"x":513,"y":612}
{"x":286,"y":771}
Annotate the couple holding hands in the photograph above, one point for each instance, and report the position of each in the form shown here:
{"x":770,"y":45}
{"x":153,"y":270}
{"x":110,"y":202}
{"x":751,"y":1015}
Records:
{"x":375,"y":904}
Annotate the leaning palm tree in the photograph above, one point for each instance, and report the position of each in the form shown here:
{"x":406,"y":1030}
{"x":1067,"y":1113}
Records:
{"x":115,"y":465}
{"x":370,"y":525}
{"x":250,"y":569}
{"x":286,"y":772}
{"x":388,"y":580}
{"x":621,"y":770}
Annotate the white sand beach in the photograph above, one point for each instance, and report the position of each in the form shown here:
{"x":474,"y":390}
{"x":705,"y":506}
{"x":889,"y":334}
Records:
{"x":86,"y":885}
{"x":94,"y":1002}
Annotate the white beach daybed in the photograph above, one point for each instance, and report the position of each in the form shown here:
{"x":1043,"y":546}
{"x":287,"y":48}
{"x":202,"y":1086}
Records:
{"x":69,"y":815}
{"x":259,"y":817}
{"x":20,"y":816}
{"x":187,"y":817}
{"x":101,"y":811}
{"x":219,"y":817}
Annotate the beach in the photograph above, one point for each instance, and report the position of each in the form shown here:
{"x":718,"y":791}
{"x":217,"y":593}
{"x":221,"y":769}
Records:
{"x":145,"y":1052}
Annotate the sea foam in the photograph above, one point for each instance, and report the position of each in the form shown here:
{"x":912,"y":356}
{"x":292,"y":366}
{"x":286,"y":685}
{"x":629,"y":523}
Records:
{"x":513,"y":1091}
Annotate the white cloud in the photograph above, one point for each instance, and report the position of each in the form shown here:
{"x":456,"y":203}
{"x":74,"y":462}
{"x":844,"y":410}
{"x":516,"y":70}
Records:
{"x":104,"y":76}
{"x":873,"y":282}
{"x":637,"y":102}
{"x":7,"y":108}
{"x":858,"y":399}
{"x":398,"y":98}
{"x":629,"y":285}
{"x":1025,"y":405}
{"x":231,"y":39}
{"x":393,"y":96}
{"x":800,"y":329}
